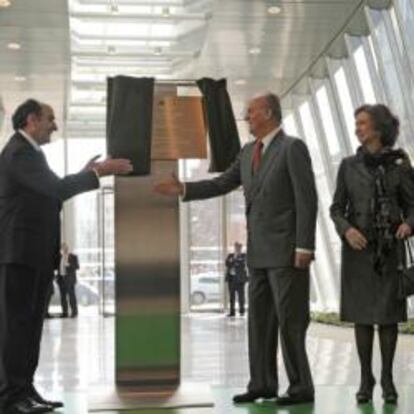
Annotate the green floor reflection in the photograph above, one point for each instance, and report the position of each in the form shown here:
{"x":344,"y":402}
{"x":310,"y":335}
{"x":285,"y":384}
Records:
{"x":329,"y":400}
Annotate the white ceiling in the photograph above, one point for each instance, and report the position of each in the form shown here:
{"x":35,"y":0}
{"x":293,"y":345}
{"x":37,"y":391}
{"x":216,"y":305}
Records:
{"x":42,"y":28}
{"x":288,"y":44}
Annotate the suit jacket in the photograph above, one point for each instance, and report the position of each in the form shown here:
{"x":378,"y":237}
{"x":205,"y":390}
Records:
{"x":236,"y":270}
{"x":31,"y":196}
{"x":71,"y":268}
{"x":281,"y":201}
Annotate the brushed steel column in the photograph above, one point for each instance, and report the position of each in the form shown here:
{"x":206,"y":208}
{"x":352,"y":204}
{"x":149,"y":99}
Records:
{"x":147,"y":268}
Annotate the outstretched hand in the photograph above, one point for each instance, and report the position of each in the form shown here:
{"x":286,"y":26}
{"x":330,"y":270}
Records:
{"x":171,"y":186}
{"x":91,"y":164}
{"x":110,"y":166}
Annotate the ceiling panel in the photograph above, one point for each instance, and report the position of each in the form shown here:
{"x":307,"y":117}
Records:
{"x":41,"y":27}
{"x":285,"y":44}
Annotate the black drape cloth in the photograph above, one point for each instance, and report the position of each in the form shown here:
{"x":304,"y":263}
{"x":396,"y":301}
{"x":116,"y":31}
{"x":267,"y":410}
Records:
{"x":129,"y":120}
{"x":223,"y":134}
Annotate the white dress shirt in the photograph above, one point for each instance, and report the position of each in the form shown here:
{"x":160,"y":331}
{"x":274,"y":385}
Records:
{"x":31,"y":141}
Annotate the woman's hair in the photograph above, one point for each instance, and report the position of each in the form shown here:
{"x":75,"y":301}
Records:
{"x":385,"y":122}
{"x":19,"y":118}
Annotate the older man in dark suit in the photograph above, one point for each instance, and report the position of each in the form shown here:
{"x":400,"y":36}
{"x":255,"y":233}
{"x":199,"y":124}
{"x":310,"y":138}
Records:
{"x":281,"y":205}
{"x":31,"y":197}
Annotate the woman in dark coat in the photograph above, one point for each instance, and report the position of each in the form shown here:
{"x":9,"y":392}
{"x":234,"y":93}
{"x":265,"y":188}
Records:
{"x":373,"y":210}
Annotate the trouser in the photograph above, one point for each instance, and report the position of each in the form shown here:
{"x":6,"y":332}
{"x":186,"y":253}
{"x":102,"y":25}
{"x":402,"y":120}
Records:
{"x":279,"y":302}
{"x":23,"y":299}
{"x":67,"y":290}
{"x":236,"y":289}
{"x":63,"y":294}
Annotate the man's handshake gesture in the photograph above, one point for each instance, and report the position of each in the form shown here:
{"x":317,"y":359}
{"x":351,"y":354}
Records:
{"x":110,"y":166}
{"x":171,"y":186}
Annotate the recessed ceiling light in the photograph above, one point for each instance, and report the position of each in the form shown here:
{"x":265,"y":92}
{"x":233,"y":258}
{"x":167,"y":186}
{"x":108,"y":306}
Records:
{"x":5,"y":3}
{"x":14,"y":46}
{"x":20,"y":78}
{"x":166,"y":12}
{"x":240,"y":82}
{"x":157,"y":51}
{"x":111,"y":50}
{"x":255,"y":50}
{"x":274,"y":10}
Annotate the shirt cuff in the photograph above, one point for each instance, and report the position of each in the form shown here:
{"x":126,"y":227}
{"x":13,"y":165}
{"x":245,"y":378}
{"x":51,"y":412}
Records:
{"x":301,"y":250}
{"x":96,"y":173}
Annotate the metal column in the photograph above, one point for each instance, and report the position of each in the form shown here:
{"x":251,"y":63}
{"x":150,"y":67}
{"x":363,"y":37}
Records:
{"x":147,"y":266}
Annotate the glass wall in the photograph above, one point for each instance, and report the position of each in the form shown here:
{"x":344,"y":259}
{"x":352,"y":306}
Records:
{"x":205,"y":247}
{"x":378,"y":68}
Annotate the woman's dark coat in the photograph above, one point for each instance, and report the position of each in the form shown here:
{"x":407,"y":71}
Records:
{"x":368,"y":297}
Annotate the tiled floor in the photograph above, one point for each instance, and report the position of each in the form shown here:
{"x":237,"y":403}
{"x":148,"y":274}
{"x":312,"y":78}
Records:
{"x":78,"y":354}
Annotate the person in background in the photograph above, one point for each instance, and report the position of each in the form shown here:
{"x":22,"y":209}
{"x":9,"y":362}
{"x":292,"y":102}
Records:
{"x":236,"y":278}
{"x":373,"y":210}
{"x":66,"y":279}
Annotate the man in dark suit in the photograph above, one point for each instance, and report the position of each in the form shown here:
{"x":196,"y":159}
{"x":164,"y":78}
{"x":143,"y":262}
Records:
{"x":31,"y":197}
{"x":281,"y":205}
{"x":236,"y":278}
{"x":66,"y":279}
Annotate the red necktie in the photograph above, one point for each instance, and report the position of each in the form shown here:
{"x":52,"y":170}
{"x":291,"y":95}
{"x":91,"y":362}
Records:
{"x":257,"y":155}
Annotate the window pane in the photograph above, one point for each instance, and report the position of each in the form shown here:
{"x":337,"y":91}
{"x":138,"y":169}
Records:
{"x":83,"y":214}
{"x":364,"y":76}
{"x":236,"y":220}
{"x":311,"y":139}
{"x":328,"y":124}
{"x":289,"y":125}
{"x":205,"y":242}
{"x":391,"y":77}
{"x":326,"y":241}
{"x":346,"y":104}
{"x":406,"y":10}
{"x":406,"y":13}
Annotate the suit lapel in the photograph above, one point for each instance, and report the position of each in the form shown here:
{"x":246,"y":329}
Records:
{"x":247,"y":166}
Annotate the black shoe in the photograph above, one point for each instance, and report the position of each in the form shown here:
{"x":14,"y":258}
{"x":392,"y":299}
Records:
{"x":251,"y":396}
{"x":290,"y":399}
{"x":27,"y":405}
{"x":364,"y":394}
{"x":74,"y":315}
{"x":389,"y":392}
{"x":35,"y":396}
{"x":64,"y":315}
{"x":231,"y":315}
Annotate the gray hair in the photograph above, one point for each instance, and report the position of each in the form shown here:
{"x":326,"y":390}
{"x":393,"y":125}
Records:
{"x":273,"y":103}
